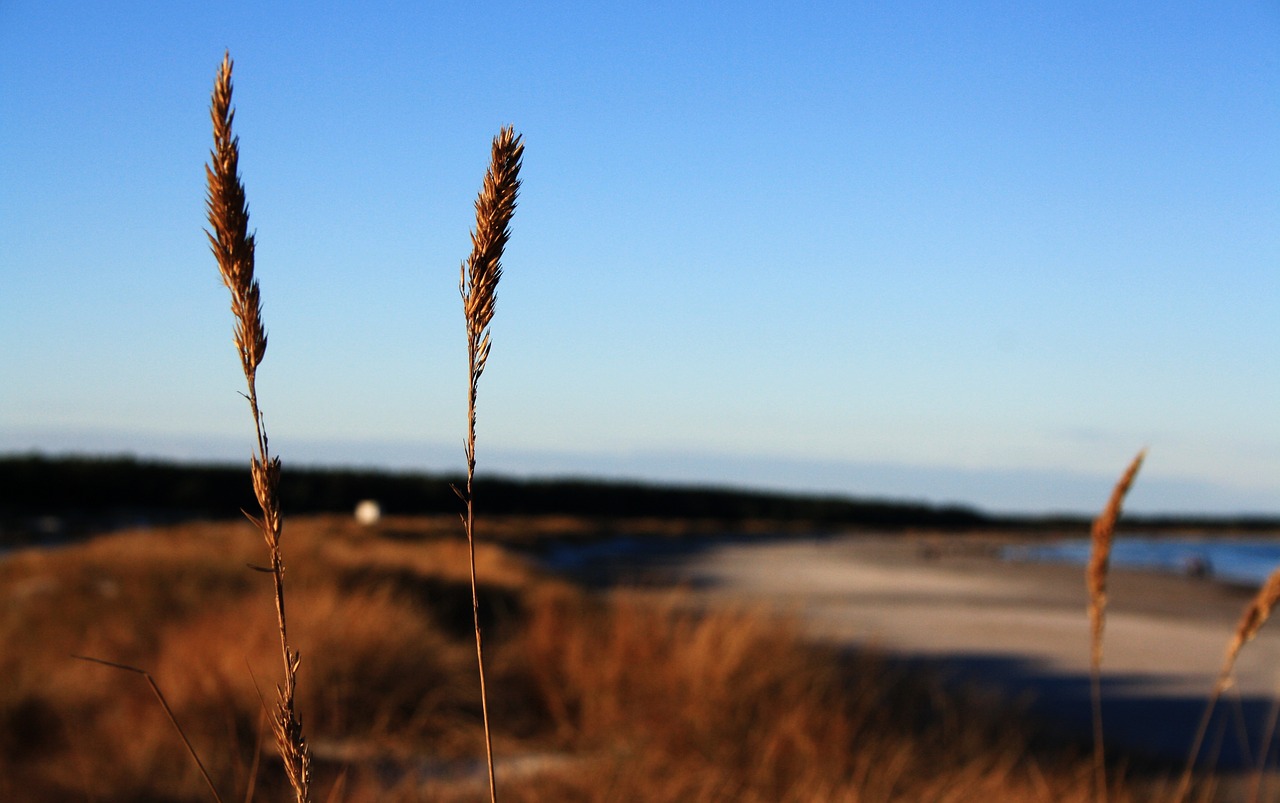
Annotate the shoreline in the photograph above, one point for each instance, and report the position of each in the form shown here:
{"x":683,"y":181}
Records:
{"x":1019,"y":628}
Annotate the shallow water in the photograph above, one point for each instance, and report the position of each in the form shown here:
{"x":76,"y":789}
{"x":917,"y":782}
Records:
{"x":1248,"y":561}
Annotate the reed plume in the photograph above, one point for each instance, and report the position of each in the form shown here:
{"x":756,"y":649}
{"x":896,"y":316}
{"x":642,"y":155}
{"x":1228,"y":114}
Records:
{"x":478,"y":285}
{"x":233,"y":247}
{"x":1104,"y":528}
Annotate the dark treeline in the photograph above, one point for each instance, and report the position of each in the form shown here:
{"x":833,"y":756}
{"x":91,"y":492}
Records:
{"x":95,"y":493}
{"x":37,"y":485}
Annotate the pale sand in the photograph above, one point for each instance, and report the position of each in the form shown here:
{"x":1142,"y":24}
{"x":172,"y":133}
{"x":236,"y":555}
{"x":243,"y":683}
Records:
{"x":1017,"y":626}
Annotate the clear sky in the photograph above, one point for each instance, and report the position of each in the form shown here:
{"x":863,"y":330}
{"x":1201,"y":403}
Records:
{"x":968,"y":252}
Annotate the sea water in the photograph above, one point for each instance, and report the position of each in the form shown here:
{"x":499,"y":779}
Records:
{"x":1248,"y":561}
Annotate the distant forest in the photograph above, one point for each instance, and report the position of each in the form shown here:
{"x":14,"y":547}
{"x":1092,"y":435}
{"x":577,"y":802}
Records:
{"x":74,"y":494}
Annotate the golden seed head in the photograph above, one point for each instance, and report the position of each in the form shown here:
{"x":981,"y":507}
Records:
{"x":229,"y":237}
{"x":495,"y":207}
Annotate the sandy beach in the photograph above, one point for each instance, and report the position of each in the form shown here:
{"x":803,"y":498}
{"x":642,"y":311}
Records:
{"x":1018,"y":627}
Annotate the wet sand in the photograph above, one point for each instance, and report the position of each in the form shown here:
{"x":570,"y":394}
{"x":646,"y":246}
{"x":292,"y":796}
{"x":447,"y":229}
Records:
{"x":1018,"y":627}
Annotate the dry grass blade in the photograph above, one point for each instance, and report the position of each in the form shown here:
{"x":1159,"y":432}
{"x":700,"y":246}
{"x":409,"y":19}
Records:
{"x":233,"y":247}
{"x":1255,"y":615}
{"x":478,"y":286}
{"x":155,"y":688}
{"x":1104,"y":528}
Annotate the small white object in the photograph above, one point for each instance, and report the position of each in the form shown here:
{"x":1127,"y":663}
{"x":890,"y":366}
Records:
{"x":368,"y":512}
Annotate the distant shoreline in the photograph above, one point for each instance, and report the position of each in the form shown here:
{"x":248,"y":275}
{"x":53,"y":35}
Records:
{"x":1019,"y":628}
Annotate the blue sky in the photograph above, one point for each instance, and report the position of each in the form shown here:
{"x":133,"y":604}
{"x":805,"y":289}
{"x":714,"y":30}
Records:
{"x":974,"y":252}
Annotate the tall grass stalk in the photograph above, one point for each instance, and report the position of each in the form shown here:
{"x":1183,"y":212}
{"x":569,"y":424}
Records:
{"x":233,"y":247}
{"x":478,"y":286}
{"x":1255,"y":615}
{"x":1104,"y":528}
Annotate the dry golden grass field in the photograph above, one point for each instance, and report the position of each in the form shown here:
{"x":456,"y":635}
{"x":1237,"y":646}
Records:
{"x":614,"y":695}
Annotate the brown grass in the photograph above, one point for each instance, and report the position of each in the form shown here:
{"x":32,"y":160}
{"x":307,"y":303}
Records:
{"x":233,"y":247}
{"x":622,"y":697}
{"x":1104,"y":528}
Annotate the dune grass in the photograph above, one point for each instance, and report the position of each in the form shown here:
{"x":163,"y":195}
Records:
{"x":612,"y":696}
